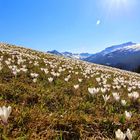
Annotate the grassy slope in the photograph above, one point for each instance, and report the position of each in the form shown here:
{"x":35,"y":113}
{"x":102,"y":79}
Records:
{"x":44,"y":110}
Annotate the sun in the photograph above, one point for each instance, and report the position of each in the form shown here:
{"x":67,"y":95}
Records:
{"x":117,"y":7}
{"x":119,"y":2}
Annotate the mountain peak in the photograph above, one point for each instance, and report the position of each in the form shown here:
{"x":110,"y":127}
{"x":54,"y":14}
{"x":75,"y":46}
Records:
{"x":121,"y":45}
{"x":54,"y":52}
{"x":128,"y":43}
{"x":115,"y":47}
{"x":125,"y":56}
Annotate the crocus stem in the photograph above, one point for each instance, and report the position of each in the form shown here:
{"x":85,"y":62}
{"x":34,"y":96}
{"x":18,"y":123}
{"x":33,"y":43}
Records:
{"x":5,"y":130}
{"x":1,"y":136}
{"x":104,"y":104}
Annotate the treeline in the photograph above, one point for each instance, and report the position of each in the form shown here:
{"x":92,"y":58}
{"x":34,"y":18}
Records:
{"x":127,"y":67}
{"x":137,"y":69}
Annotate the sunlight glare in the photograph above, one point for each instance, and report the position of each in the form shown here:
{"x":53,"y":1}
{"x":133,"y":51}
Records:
{"x":118,"y":7}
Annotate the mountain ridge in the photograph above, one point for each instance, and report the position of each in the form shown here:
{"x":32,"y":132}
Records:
{"x":124,"y":56}
{"x":70,"y":54}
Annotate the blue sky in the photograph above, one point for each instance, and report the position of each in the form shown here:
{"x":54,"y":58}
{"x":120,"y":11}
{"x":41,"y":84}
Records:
{"x":69,"y":25}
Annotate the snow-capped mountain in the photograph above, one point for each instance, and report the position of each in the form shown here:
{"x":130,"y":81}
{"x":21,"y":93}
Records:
{"x":124,"y":56}
{"x":116,"y":47}
{"x":132,"y":48}
{"x":108,"y":50}
{"x":71,"y":55}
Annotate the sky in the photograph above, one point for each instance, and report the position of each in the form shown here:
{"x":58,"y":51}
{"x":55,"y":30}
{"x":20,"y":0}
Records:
{"x":69,"y":25}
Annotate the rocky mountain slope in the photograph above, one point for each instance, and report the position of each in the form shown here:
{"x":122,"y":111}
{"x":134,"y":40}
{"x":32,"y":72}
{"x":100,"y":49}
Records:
{"x":53,"y":97}
{"x":125,"y":56}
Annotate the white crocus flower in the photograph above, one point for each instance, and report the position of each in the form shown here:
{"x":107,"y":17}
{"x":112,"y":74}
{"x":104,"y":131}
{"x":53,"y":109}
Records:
{"x":93,"y":91}
{"x":129,"y":89}
{"x":116,"y":96}
{"x":98,"y":79}
{"x":128,"y":115}
{"x":76,"y":86}
{"x":133,"y":95}
{"x":123,"y":102}
{"x":66,"y":79}
{"x":15,"y":72}
{"x":57,"y":74}
{"x":120,"y":135}
{"x":34,"y":75}
{"x":80,"y":80}
{"x":76,"y":73}
{"x":50,"y":79}
{"x":35,"y":80}
{"x":129,"y":134}
{"x":106,"y":98}
{"x":103,"y":90}
{"x":4,"y":113}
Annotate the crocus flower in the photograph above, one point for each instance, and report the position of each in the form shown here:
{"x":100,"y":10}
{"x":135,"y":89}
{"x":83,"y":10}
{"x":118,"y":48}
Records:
{"x":4,"y":113}
{"x":50,"y":79}
{"x":123,"y":102}
{"x":80,"y":80}
{"x":103,"y":90}
{"x":35,"y":80}
{"x":98,"y":79}
{"x":66,"y":79}
{"x":93,"y":91}
{"x":129,"y":134}
{"x":76,"y":86}
{"x":106,"y":98}
{"x":116,"y":96}
{"x":129,"y":89}
{"x":133,"y":95}
{"x":128,"y":115}
{"x":120,"y":135}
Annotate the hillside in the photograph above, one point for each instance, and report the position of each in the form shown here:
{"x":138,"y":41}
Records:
{"x":57,"y":98}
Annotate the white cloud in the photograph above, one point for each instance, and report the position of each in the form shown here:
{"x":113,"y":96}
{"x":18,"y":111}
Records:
{"x":98,"y":22}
